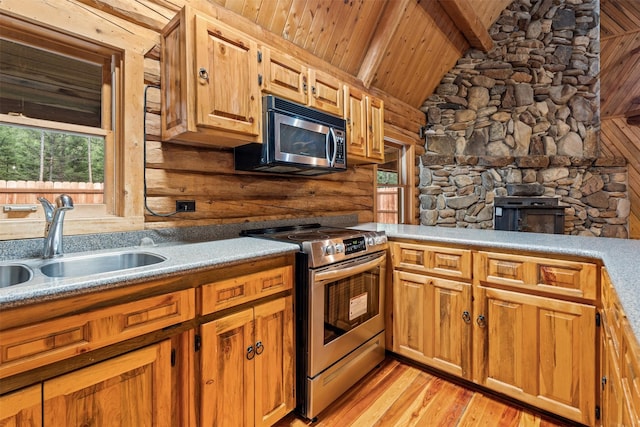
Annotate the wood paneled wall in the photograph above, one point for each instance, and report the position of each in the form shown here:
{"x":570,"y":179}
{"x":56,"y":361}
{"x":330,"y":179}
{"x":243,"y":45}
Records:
{"x":620,"y":92}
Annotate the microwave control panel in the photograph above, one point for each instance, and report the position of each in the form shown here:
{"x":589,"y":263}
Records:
{"x":340,"y":144}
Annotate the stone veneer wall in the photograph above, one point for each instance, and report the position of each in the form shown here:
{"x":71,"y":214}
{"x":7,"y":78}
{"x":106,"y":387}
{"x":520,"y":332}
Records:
{"x":526,"y":112}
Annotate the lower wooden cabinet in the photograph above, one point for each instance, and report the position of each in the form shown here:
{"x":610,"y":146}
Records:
{"x":133,"y":389}
{"x":539,"y":350}
{"x":619,"y":362}
{"x":22,"y":408}
{"x":430,"y":321}
{"x":247,"y":366}
{"x":507,"y":335}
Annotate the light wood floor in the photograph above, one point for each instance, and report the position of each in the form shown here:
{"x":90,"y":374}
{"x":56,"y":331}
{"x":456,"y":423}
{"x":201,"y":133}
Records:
{"x":397,"y":394}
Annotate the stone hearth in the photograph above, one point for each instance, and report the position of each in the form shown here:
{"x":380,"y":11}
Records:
{"x":525,"y":112}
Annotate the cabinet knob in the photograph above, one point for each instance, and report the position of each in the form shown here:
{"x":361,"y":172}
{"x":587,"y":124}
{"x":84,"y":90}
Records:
{"x":259,"y":348}
{"x":250,"y":353}
{"x":481,"y":321}
{"x":466,"y":316}
{"x":203,"y":74}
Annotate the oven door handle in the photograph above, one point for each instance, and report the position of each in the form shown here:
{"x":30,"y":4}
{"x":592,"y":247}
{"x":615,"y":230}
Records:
{"x":341,"y":273}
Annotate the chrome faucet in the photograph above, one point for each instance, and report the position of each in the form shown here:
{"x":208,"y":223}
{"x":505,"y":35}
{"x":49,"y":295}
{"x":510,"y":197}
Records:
{"x":53,"y":227}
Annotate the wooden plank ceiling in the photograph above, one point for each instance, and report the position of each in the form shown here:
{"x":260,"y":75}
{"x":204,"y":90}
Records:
{"x":620,"y":92}
{"x":402,"y":47}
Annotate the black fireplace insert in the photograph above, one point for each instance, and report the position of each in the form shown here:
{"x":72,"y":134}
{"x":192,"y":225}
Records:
{"x":529,"y":214}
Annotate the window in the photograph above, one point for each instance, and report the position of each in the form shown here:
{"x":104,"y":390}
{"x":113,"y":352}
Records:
{"x":394,"y":191}
{"x":62,"y":122}
{"x":55,"y":124}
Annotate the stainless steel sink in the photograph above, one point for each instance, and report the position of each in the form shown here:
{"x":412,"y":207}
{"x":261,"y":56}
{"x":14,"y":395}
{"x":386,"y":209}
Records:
{"x":95,"y":264}
{"x":14,"y":274}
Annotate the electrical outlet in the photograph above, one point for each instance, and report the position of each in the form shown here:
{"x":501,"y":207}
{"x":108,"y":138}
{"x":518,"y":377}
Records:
{"x":185,"y":205}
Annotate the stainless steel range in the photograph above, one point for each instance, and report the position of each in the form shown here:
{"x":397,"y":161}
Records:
{"x":340,"y":276}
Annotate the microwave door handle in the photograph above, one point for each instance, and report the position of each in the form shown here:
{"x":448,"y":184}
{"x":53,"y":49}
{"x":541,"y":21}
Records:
{"x":327,"y":145}
{"x":332,"y":162}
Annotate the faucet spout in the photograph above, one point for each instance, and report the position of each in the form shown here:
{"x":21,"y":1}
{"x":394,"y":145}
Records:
{"x":54,"y":221}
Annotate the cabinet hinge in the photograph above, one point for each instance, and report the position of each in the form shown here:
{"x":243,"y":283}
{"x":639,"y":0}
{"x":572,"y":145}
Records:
{"x":173,"y":357}
{"x":260,"y":79}
{"x":597,"y":320}
{"x":597,"y":412}
{"x":197,"y":342}
{"x":603,"y":381}
{"x":259,"y":56}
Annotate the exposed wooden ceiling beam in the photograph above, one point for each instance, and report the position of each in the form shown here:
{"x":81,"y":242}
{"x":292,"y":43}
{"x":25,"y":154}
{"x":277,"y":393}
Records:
{"x":467,"y":20}
{"x":385,"y":30}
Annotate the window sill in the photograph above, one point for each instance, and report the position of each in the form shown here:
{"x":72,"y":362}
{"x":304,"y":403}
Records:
{"x":34,"y":228}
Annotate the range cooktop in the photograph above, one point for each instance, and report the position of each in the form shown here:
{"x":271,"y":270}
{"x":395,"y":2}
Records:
{"x":325,"y":245}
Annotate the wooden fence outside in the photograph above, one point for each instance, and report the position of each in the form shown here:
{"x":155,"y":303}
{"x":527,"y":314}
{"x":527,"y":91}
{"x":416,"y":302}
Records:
{"x":387,"y":205}
{"x":27,"y":192}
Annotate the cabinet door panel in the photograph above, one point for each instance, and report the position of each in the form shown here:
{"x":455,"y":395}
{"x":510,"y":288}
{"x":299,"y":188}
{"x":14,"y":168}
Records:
{"x":22,"y":408}
{"x":227,"y":91}
{"x":451,"y":339}
{"x":539,"y":350}
{"x":429,"y":326}
{"x":227,"y":386}
{"x":326,"y":93}
{"x":130,"y":390}
{"x":375,"y":129}
{"x":274,"y":361}
{"x":409,"y":315}
{"x":355,"y":115}
{"x":284,"y":76}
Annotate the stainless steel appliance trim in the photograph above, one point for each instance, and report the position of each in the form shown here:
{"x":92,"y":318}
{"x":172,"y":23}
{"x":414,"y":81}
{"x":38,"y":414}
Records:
{"x":321,"y":355}
{"x":280,"y":119}
{"x":330,"y":384}
{"x":331,"y":275}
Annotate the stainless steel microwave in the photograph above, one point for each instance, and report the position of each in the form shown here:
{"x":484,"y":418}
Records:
{"x":296,"y":140}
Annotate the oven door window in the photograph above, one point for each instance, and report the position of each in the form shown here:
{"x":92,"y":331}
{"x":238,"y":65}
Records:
{"x":350,"y":302}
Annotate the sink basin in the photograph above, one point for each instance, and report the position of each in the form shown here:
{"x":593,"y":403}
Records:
{"x":14,"y":274}
{"x":95,"y":264}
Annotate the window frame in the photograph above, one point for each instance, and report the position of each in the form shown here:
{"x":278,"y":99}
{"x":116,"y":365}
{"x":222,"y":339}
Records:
{"x":406,"y":176}
{"x":123,"y":188}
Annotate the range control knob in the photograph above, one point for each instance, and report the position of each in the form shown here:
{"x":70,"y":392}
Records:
{"x":330,"y":250}
{"x":339,"y":248}
{"x":370,"y":241}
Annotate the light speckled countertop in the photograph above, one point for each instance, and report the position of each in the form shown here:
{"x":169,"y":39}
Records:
{"x":621,"y":257}
{"x":179,"y":258}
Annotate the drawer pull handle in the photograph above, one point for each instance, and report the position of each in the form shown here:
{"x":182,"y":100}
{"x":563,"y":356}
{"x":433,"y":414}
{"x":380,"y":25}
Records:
{"x":250,"y":353}
{"x":259,"y":348}
{"x":466,"y":316}
{"x":481,"y":321}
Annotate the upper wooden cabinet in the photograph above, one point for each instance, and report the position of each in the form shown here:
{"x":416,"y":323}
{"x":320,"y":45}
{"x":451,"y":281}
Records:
{"x":326,"y":92}
{"x":365,"y":126}
{"x":211,"y":93}
{"x":283,"y":76}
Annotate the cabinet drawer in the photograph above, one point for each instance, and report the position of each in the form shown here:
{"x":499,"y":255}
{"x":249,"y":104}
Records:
{"x":569,"y":278}
{"x":238,"y":290}
{"x":46,"y":342}
{"x":451,"y":262}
